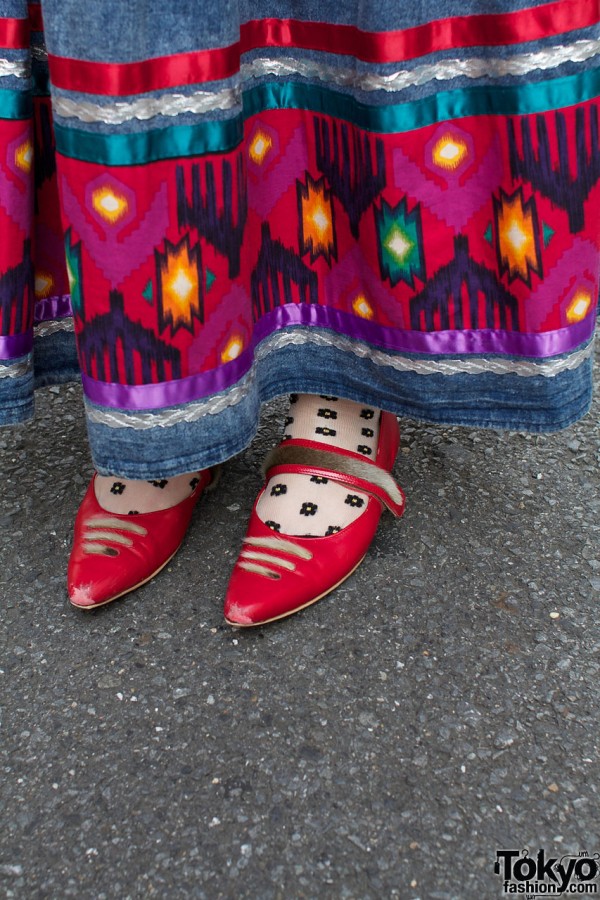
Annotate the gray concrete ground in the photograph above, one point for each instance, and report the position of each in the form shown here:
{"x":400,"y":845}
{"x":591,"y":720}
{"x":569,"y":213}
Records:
{"x":442,"y":705}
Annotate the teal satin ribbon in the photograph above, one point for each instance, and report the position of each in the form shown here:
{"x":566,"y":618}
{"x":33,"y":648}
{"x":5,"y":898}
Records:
{"x":222,"y":136}
{"x":15,"y":105}
{"x":150,"y":146}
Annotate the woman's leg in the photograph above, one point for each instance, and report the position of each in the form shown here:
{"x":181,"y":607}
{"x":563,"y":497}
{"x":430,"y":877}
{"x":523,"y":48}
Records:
{"x":128,"y":497}
{"x":299,"y":504}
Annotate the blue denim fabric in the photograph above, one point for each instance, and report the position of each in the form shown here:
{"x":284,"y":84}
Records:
{"x":124,"y":30}
{"x":16,"y":394}
{"x":13,"y":9}
{"x":163,"y":452}
{"x":134,"y":29}
{"x":535,"y":404}
{"x":55,"y":359}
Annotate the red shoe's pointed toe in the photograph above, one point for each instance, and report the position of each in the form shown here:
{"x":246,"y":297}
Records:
{"x":114,"y":554}
{"x":276,"y":576}
{"x":81,"y":594}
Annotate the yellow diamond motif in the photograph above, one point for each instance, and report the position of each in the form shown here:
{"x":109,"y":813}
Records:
{"x":579,"y":306}
{"x":516,"y":236}
{"x":233,"y":348}
{"x":181,"y":285}
{"x":260,"y":146}
{"x":110,"y":205}
{"x":24,"y":156}
{"x":449,"y":152}
{"x":361,"y":307}
{"x":321,"y":219}
{"x":43,"y":284}
{"x":517,"y":241}
{"x":316,"y":212}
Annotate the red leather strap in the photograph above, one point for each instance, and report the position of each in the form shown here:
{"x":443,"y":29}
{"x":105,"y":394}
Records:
{"x":343,"y":467}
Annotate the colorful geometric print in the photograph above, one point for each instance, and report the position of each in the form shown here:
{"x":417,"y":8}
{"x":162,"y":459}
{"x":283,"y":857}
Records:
{"x":425,"y":189}
{"x":33,"y":278}
{"x":474,"y":226}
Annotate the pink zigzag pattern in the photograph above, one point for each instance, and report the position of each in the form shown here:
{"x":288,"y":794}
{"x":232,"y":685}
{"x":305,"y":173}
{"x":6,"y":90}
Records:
{"x":118,"y":257}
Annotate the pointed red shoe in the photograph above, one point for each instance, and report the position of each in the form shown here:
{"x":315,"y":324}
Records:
{"x":113,"y":554}
{"x":275,"y":576}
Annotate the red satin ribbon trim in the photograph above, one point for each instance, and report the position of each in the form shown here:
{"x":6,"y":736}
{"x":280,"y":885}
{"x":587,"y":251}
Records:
{"x":14,"y":34}
{"x":121,"y":79}
{"x":442,"y":34}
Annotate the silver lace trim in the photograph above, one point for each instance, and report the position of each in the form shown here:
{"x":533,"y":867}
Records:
{"x":194,"y":411}
{"x":19,"y":69}
{"x":117,"y":113}
{"x":16,"y":370}
{"x":494,"y":366}
{"x":39,"y":53}
{"x":191,"y":412}
{"x":445,"y":70}
{"x":45,"y":329}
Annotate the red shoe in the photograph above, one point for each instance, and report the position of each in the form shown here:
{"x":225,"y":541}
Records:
{"x":113,"y":554}
{"x":277,"y":576}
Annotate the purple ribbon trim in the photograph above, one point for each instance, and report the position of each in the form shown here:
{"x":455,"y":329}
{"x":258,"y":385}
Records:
{"x":16,"y":345}
{"x":167,"y":393}
{"x":53,"y":308}
{"x":13,"y":346}
{"x":445,"y":343}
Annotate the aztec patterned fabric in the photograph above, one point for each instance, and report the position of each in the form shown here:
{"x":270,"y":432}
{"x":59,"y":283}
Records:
{"x":395,"y":204}
{"x":34,"y":288}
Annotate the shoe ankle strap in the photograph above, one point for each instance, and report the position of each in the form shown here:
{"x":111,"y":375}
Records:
{"x":340,"y":466}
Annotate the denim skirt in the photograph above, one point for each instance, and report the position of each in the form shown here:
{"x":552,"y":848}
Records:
{"x":204,"y":206}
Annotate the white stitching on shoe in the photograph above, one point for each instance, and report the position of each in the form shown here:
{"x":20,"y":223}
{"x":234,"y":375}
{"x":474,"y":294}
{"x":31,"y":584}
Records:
{"x":100,"y":549}
{"x":266,"y":557}
{"x":275,"y":543}
{"x":258,"y":569}
{"x":118,"y":524}
{"x":112,"y":536}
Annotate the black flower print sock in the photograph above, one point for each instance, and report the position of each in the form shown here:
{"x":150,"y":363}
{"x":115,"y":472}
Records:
{"x":315,"y":505}
{"x":131,"y":497}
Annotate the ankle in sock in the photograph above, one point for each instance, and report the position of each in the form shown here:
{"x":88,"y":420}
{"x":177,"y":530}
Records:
{"x":311,"y":505}
{"x":126,"y":496}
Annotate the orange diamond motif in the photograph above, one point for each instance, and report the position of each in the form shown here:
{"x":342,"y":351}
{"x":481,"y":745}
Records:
{"x":517,"y":236}
{"x":180,"y":294}
{"x":316,"y":219}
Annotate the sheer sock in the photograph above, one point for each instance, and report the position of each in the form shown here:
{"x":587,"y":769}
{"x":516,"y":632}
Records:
{"x":128,"y":497}
{"x":310,"y":505}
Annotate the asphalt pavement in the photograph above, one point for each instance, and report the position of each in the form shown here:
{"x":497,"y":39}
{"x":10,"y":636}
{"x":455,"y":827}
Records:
{"x":440,"y":707}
